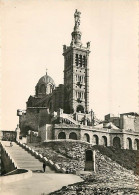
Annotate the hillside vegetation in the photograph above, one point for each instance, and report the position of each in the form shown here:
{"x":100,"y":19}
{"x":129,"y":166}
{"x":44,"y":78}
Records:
{"x":115,"y":168}
{"x":73,"y":152}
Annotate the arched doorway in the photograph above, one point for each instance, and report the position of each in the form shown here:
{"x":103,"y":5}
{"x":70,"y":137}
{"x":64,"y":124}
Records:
{"x":89,"y":155}
{"x":116,"y":142}
{"x":104,"y":140}
{"x":136,"y":144}
{"x":86,"y":138}
{"x":129,"y":143}
{"x":62,"y":135}
{"x":95,"y":140}
{"x":73,"y":136}
{"x":80,"y":109}
{"x":89,"y":161}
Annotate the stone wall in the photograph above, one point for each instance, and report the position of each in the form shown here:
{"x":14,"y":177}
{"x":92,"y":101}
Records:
{"x":29,"y":121}
{"x":129,"y":122}
{"x":67,"y":132}
{"x":33,"y":118}
{"x":104,"y":136}
{"x":136,"y":124}
{"x":7,"y":163}
{"x":99,"y":134}
{"x":6,"y":135}
{"x":32,"y":137}
{"x":44,"y":117}
{"x":46,"y":132}
{"x":58,"y":98}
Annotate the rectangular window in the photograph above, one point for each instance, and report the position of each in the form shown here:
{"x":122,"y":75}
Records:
{"x":76,"y":60}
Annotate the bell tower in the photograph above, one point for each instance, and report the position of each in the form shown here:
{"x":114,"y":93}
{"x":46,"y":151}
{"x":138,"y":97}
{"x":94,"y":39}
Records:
{"x":76,"y":71}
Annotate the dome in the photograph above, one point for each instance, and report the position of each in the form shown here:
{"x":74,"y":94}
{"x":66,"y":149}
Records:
{"x":46,"y":79}
{"x":45,"y":86}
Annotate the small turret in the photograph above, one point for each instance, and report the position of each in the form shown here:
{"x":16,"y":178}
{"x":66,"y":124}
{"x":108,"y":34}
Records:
{"x":17,"y":133}
{"x":19,"y":112}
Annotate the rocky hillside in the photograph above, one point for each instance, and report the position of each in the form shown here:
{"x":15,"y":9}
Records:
{"x":115,"y":168}
{"x":126,"y":158}
{"x":72,"y":154}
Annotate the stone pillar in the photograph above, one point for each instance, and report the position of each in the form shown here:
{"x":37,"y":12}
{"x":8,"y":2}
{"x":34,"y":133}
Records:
{"x":85,"y":119}
{"x":108,"y":138}
{"x":124,"y":146}
{"x":59,"y":112}
{"x":17,"y":132}
{"x":94,"y":160}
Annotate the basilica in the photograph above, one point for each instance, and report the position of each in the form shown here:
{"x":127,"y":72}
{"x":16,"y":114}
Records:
{"x":62,"y":112}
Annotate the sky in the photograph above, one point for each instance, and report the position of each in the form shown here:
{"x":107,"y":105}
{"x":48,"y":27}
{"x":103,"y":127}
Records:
{"x":32,"y":35}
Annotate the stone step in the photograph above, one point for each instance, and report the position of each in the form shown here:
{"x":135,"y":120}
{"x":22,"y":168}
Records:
{"x":24,"y":159}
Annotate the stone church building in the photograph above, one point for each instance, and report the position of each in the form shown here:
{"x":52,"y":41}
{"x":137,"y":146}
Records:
{"x":63,"y":112}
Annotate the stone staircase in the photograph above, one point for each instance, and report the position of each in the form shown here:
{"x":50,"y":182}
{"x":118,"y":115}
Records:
{"x":66,"y":117}
{"x":23,"y":159}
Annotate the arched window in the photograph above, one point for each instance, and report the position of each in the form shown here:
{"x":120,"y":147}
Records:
{"x":73,"y":136}
{"x":76,"y":60}
{"x":129,"y":143}
{"x":83,"y":61}
{"x":95,"y":140}
{"x":62,"y":135}
{"x":79,"y":94}
{"x":136,"y":144}
{"x":116,"y":142}
{"x":104,"y":140}
{"x":80,"y":60}
{"x":49,"y":88}
{"x":80,"y":109}
{"x":86,"y":137}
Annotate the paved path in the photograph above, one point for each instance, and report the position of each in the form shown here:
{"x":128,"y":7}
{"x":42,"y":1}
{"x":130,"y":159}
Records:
{"x":39,"y":183}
